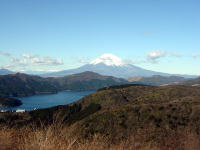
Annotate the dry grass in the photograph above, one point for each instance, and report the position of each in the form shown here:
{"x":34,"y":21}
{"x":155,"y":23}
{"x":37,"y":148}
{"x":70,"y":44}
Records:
{"x":56,"y":137}
{"x":7,"y":138}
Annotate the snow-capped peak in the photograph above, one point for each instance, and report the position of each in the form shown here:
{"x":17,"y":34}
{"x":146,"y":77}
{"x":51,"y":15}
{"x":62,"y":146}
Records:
{"x":108,"y":59}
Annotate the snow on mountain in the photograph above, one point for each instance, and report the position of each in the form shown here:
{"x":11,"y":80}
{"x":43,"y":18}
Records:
{"x":109,"y":65}
{"x":108,"y":59}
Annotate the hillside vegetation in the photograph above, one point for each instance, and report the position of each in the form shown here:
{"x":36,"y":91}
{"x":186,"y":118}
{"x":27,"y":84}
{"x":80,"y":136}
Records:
{"x":25,"y":85}
{"x":9,"y":102}
{"x":192,"y":82}
{"x":151,"y":117}
{"x":157,"y":80}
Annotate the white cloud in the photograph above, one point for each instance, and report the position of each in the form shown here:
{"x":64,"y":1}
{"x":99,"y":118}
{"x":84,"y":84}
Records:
{"x":195,"y":55}
{"x":129,"y":61}
{"x":156,"y":54}
{"x":28,"y":60}
{"x":175,"y":54}
{"x":36,"y":71}
{"x":37,"y":60}
{"x":25,"y":55}
{"x":84,"y":60}
{"x":18,"y":62}
{"x":153,"y":56}
{"x":46,"y":61}
{"x":4,"y":53}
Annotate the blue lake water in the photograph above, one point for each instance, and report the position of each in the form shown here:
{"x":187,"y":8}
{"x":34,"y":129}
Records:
{"x":49,"y":100}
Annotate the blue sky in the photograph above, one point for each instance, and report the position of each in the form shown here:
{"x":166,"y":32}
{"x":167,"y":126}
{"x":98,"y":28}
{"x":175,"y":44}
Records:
{"x":160,"y":35}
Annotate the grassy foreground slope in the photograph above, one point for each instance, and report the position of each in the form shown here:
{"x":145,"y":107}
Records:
{"x":132,"y":106}
{"x":126,"y":110}
{"x":167,"y":117}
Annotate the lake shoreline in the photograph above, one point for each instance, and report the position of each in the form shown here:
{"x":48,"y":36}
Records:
{"x":6,"y":101}
{"x":46,"y":100}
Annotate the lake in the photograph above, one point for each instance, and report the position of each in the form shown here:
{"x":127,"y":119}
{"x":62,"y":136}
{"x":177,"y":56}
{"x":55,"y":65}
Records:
{"x":49,"y":100}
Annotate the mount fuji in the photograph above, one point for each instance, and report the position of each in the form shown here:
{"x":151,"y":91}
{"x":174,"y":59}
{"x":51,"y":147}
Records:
{"x":110,"y":65}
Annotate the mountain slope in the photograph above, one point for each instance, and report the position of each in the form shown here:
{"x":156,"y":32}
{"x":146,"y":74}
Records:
{"x":9,"y":102}
{"x":122,"y":111}
{"x":110,"y":65}
{"x":5,"y":72}
{"x":87,"y":81}
{"x":116,"y":71}
{"x":191,"y":82}
{"x":25,"y":85}
{"x":157,"y":80}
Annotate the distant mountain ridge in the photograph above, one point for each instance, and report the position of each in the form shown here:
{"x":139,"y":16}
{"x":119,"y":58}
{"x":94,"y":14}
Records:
{"x":111,"y":65}
{"x":24,"y":85}
{"x":103,"y":69}
{"x":191,"y":82}
{"x":87,"y":81}
{"x":5,"y":71}
{"x":157,"y":80}
{"x":106,"y":65}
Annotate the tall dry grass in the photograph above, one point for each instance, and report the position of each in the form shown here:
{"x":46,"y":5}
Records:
{"x":7,"y":138}
{"x":57,"y":137}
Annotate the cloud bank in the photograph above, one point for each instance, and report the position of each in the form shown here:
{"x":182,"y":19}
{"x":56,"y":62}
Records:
{"x":26,"y":60}
{"x":195,"y":55}
{"x":153,"y":56}
{"x":4,"y":53}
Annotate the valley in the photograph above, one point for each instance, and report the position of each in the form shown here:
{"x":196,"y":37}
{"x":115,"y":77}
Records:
{"x":92,"y":108}
{"x":9,"y":102}
{"x":20,"y":85}
{"x":24,"y":85}
{"x":99,"y":75}
{"x":40,"y":101}
{"x":154,"y":115}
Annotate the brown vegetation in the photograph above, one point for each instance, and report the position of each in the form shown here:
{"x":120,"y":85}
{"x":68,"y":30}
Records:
{"x":116,"y":118}
{"x":57,"y":137}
